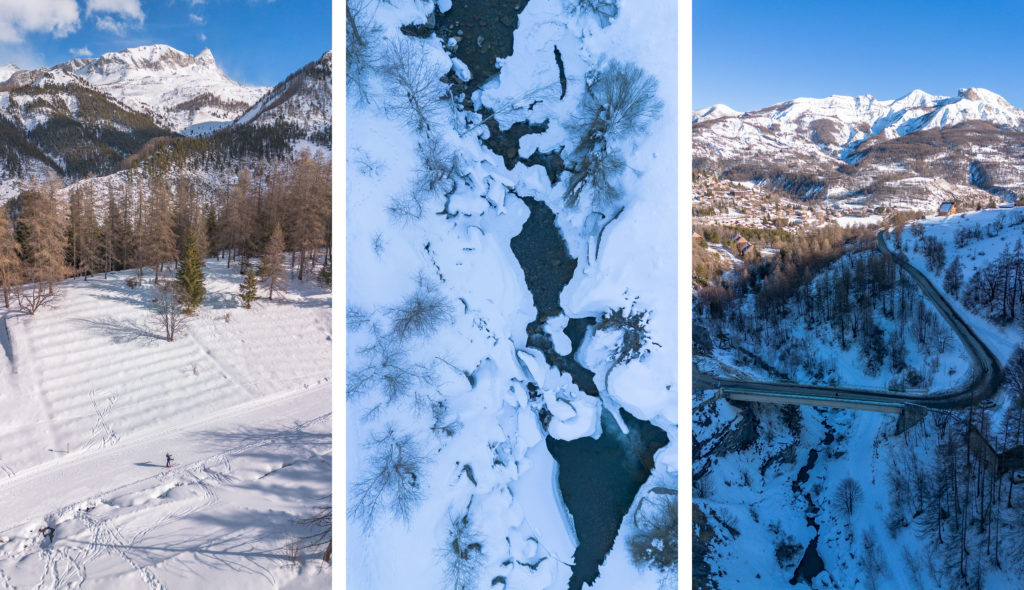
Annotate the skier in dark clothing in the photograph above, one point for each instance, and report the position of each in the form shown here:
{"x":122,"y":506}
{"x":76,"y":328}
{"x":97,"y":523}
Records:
{"x":168,"y":460}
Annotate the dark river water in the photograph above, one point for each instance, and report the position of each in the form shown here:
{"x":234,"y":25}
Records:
{"x":598,"y":478}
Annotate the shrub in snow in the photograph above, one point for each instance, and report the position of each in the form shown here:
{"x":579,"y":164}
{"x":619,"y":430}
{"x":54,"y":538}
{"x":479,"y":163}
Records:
{"x":389,"y":372}
{"x":787,"y":550}
{"x":655,"y":543}
{"x":32,"y":298}
{"x":436,"y":175}
{"x":619,"y":102}
{"x":462,"y":555}
{"x":703,"y":487}
{"x":390,"y":482}
{"x":445,"y":425}
{"x":634,"y":340}
{"x":320,"y":538}
{"x":421,"y":313}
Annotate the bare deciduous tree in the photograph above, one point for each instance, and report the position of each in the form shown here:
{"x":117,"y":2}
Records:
{"x":390,"y":372}
{"x":413,"y":83}
{"x":10,"y":260}
{"x":170,"y":314}
{"x":620,"y":102}
{"x":848,"y":495}
{"x":362,"y":37}
{"x":390,"y":482}
{"x":272,"y":269}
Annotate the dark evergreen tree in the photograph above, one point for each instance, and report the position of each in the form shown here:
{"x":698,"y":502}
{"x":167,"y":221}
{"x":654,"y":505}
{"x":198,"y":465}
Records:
{"x":190,"y":275}
{"x":248,"y":288}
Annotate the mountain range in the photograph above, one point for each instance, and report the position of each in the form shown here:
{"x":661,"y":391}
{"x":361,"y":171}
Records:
{"x":917,"y":147}
{"x":88,"y":116}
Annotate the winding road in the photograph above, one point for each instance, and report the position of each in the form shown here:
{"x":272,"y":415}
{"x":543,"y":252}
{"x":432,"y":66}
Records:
{"x":983,"y":383}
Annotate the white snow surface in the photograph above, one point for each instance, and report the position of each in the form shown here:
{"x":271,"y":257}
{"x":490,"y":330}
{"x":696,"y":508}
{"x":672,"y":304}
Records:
{"x":93,"y":397}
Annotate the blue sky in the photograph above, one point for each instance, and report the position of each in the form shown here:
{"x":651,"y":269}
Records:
{"x":254,"y":41}
{"x":750,"y":54}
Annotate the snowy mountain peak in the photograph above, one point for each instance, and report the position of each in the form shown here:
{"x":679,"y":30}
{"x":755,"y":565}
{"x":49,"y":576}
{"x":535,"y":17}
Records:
{"x":715,"y":111}
{"x":985,"y":96}
{"x":187,"y":93}
{"x":205,"y":57}
{"x":914,"y":99}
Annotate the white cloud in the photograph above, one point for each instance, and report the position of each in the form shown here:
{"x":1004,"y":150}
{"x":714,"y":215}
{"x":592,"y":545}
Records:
{"x":202,"y":37}
{"x":17,"y":17}
{"x":112,"y":25}
{"x":80,"y":52}
{"x":194,"y":2}
{"x":195,"y":18}
{"x":125,"y":8}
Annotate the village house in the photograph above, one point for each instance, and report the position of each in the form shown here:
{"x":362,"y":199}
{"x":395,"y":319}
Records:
{"x":947,"y":208}
{"x":742,"y":245}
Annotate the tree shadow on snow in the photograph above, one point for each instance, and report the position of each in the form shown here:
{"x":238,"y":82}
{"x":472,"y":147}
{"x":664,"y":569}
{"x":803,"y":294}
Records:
{"x":122,"y":331}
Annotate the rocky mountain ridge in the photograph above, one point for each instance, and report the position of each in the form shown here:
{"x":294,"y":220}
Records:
{"x":860,"y":147}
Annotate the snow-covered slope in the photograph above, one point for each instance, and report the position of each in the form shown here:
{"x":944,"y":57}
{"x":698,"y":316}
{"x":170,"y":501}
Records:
{"x":303,"y":99}
{"x":716,"y":111}
{"x":860,"y":146}
{"x":92,"y":397}
{"x":7,"y":71}
{"x":839,"y":123}
{"x":187,"y":93}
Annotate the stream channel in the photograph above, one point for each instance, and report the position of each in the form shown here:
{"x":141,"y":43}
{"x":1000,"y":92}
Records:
{"x":598,"y":478}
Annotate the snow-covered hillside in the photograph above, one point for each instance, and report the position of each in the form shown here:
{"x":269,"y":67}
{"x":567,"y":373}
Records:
{"x":852,"y":147}
{"x":303,"y":99}
{"x":189,"y":94}
{"x":839,"y":123}
{"x":826,"y":498}
{"x":94,"y":396}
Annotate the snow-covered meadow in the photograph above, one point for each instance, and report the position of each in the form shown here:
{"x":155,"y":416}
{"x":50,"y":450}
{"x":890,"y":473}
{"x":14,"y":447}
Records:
{"x":93,"y":396}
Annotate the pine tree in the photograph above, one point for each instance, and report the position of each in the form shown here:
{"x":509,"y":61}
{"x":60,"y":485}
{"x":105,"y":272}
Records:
{"x":248,"y":289}
{"x":190,"y":275}
{"x":272,"y":265}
